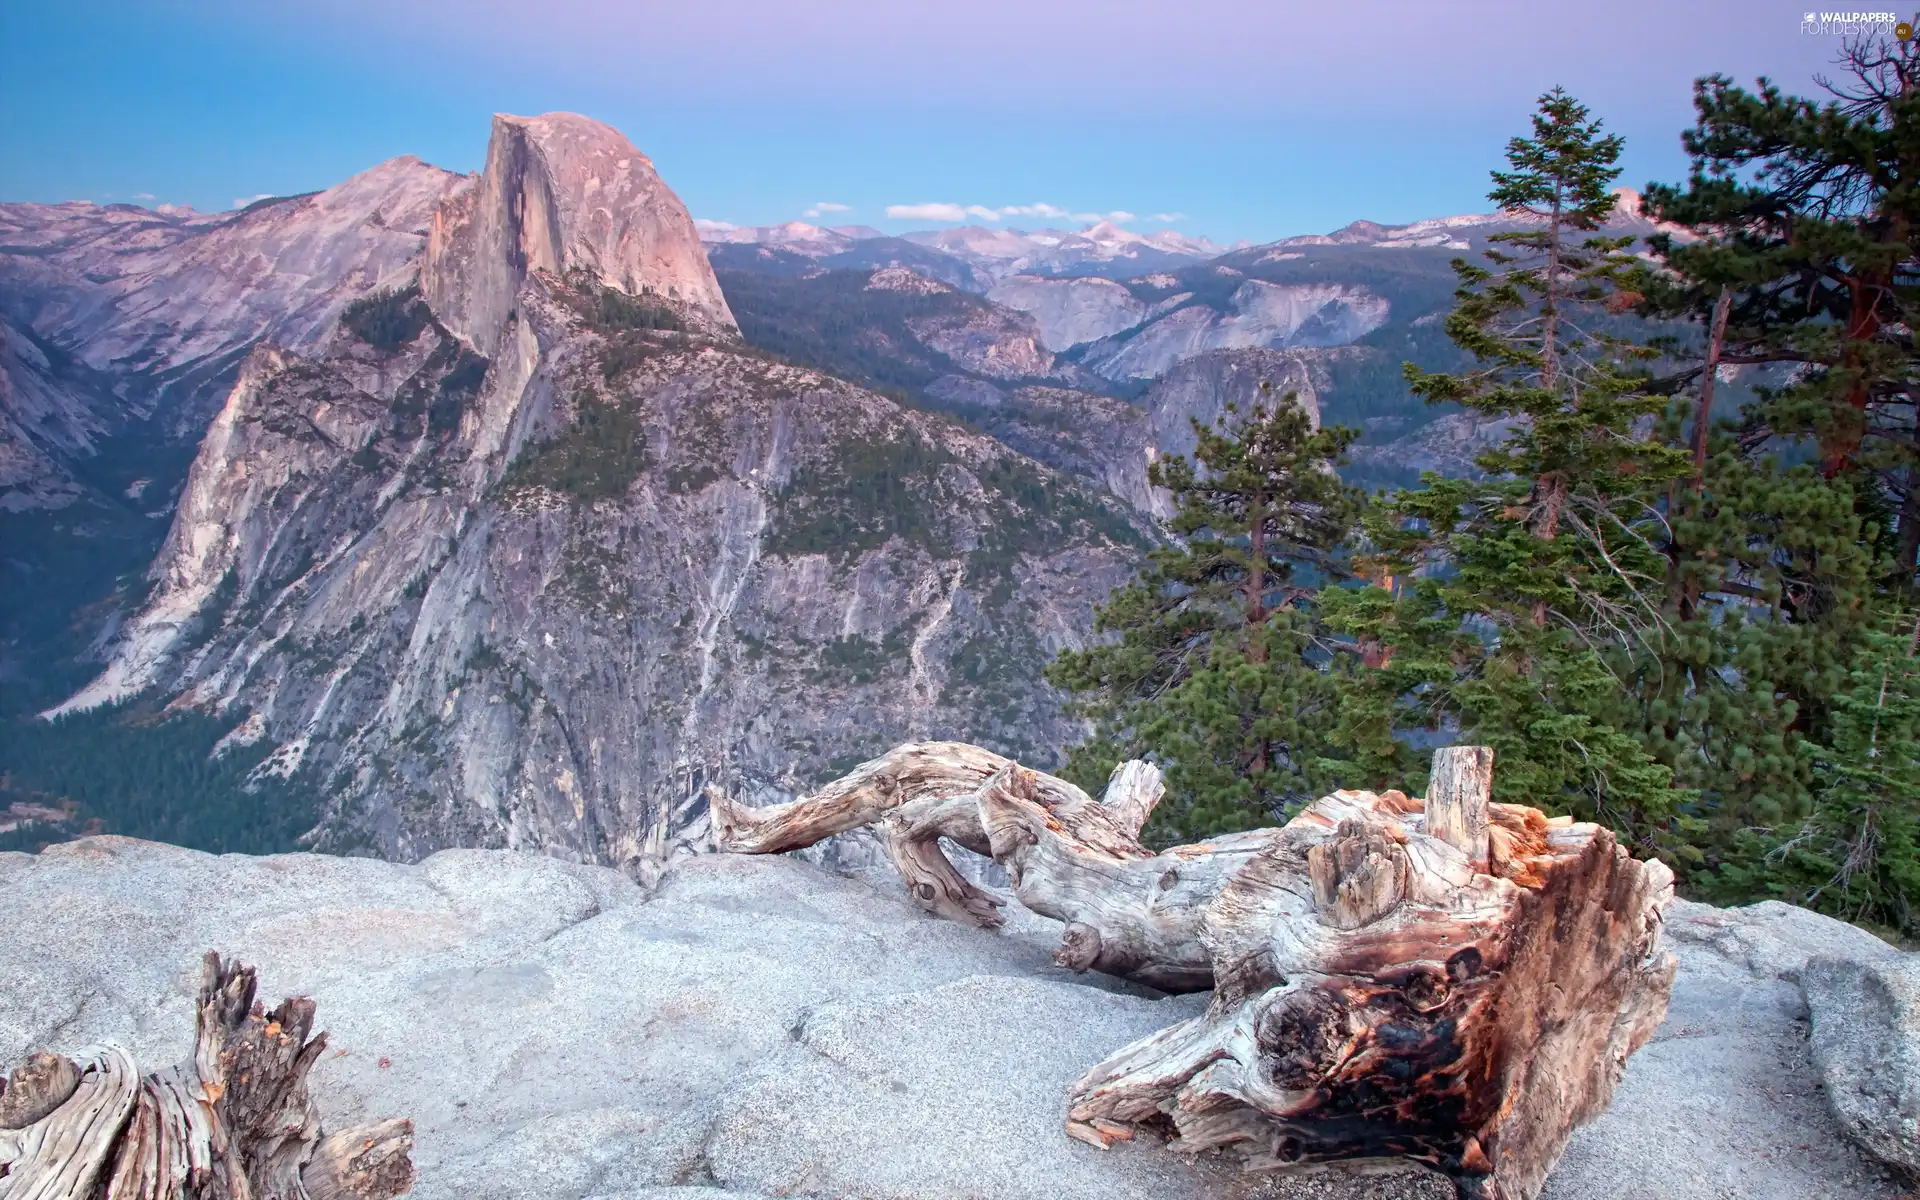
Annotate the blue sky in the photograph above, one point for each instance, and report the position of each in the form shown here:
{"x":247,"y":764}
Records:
{"x":1244,"y":119}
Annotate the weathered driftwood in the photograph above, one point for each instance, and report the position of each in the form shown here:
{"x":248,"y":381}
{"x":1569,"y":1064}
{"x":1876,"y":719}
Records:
{"x":922,"y":792}
{"x":1448,"y":980}
{"x":234,"y":1121}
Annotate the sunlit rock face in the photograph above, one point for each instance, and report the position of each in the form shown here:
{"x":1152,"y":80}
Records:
{"x":1072,"y":311}
{"x":561,"y":192}
{"x":533,"y":561}
{"x":1259,"y":314}
{"x":117,"y":317}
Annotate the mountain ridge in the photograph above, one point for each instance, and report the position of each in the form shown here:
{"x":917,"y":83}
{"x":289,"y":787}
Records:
{"x":525,"y":559}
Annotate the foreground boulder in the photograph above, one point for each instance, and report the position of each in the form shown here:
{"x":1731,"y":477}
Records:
{"x":762,"y":1027}
{"x":1866,"y":1042}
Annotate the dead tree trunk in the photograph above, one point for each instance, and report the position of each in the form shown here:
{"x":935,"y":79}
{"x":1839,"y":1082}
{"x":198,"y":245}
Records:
{"x":1448,"y":980}
{"x":234,"y":1121}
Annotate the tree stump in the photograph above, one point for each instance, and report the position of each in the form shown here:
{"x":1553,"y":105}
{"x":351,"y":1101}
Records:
{"x":1447,"y":980}
{"x":234,"y":1121}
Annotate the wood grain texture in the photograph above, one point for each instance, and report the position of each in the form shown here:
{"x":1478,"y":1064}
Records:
{"x":1404,"y":1004}
{"x":373,"y":1162}
{"x":65,"y":1154}
{"x":35,"y":1088}
{"x":1459,"y":791}
{"x":1448,"y":980}
{"x":1133,"y":791}
{"x":921,"y":792}
{"x":234,"y":1121}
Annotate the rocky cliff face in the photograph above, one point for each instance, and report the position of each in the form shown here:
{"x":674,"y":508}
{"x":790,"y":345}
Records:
{"x":541,"y":596}
{"x":44,"y":425}
{"x":1072,"y":311}
{"x":1201,"y":388}
{"x":1258,"y":314}
{"x":560,"y":193}
{"x":1112,"y":443}
{"x":121,"y":317}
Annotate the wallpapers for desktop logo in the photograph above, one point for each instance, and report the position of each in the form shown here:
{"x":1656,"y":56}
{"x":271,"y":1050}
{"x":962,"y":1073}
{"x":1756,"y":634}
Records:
{"x":1855,"y":24}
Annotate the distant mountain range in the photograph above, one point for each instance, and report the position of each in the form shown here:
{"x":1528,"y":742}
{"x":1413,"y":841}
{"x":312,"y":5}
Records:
{"x":1103,"y":248}
{"x":1124,"y":308}
{"x":497,"y":531}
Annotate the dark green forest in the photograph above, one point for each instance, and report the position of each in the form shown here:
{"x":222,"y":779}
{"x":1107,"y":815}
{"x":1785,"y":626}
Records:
{"x":132,"y":770}
{"x":1687,"y":614}
{"x":128,"y":769}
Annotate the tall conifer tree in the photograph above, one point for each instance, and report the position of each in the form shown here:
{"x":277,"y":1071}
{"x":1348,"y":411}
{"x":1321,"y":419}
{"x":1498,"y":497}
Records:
{"x":1857,"y":854}
{"x":1807,"y":214}
{"x":1511,"y":591}
{"x":1801,"y":257}
{"x":1219,"y":668}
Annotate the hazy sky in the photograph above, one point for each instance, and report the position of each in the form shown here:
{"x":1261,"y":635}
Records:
{"x":1244,"y":118}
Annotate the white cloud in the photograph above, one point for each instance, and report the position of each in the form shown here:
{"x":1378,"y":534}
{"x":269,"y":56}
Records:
{"x":705,"y":226}
{"x":1168,"y":218}
{"x":143,"y":195}
{"x":825,"y":207}
{"x":1034,"y":210}
{"x":243,"y":201}
{"x":926,"y":212}
{"x":958,"y":212}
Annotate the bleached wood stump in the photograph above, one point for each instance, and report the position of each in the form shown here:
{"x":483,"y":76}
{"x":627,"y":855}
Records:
{"x":233,"y":1122}
{"x":1447,"y":980}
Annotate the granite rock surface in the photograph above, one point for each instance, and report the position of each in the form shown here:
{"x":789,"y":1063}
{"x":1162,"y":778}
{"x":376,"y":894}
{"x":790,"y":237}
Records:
{"x":763,"y":1027}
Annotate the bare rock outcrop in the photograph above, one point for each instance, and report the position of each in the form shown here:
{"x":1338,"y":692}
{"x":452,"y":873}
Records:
{"x":756,"y":1026}
{"x":121,"y":318}
{"x":1258,"y":314}
{"x":1866,"y":1042}
{"x":541,"y":599}
{"x":561,"y":192}
{"x":1073,"y":310}
{"x":1201,"y":388}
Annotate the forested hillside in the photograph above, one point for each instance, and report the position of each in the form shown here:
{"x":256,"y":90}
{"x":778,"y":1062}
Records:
{"x":1687,"y":615}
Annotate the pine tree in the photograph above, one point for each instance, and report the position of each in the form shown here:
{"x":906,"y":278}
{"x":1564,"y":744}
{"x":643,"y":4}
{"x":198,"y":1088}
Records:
{"x":1770,"y":581}
{"x":1807,"y":214}
{"x":1219,"y":669}
{"x":1857,"y":854}
{"x":1799,"y":254}
{"x":1507,"y":597}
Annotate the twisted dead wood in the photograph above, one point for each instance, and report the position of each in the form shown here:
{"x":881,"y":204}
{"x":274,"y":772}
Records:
{"x":1443,"y":979}
{"x":920,"y":792}
{"x":234,"y":1121}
